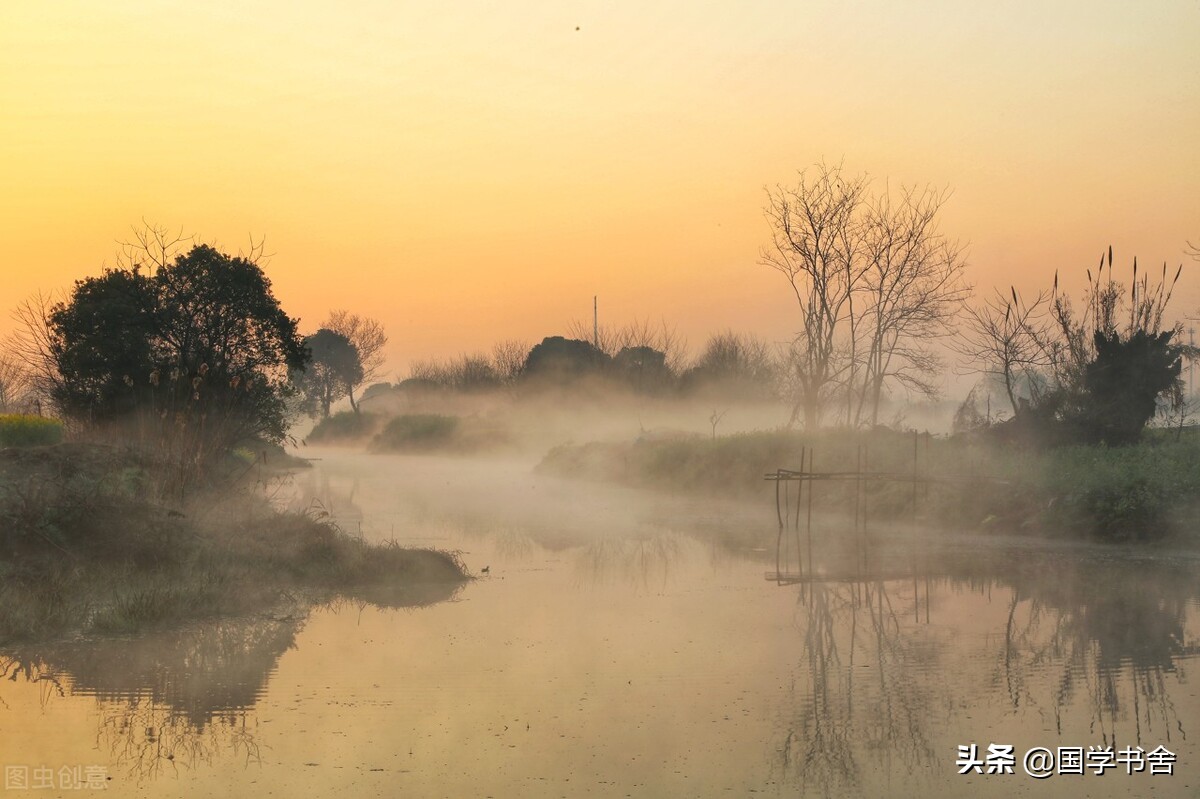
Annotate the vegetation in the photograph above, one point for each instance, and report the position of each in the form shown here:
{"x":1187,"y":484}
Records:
{"x":1089,"y":376}
{"x":90,"y":545}
{"x":874,"y":282}
{"x":344,"y":427}
{"x":187,"y":355}
{"x":1140,"y":492}
{"x":24,"y":430}
{"x":368,"y":338}
{"x":432,"y":432}
{"x":416,"y":432}
{"x":334,"y":366}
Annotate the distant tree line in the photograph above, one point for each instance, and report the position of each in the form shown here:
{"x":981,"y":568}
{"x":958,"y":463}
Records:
{"x":637,"y":358}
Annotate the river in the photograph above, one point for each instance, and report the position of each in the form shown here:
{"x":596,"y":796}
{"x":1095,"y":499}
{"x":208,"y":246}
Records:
{"x":623,"y":644}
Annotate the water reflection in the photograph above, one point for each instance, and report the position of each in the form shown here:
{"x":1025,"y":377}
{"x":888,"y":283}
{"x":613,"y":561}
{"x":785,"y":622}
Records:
{"x":1109,"y":632}
{"x":1093,"y":645}
{"x":859,"y":698}
{"x":171,"y":699}
{"x":641,"y":562}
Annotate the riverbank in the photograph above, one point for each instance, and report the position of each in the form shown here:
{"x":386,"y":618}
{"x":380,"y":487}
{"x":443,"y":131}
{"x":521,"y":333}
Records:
{"x":1146,"y":491}
{"x":88,"y":544}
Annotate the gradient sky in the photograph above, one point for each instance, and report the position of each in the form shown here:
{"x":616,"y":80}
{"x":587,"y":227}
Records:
{"x":478,"y":172}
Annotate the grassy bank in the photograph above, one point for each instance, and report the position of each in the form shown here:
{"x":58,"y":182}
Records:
{"x":1137,"y":492}
{"x":88,"y":544}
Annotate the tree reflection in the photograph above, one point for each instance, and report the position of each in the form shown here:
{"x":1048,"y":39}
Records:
{"x":1111,"y":633}
{"x":859,"y":698}
{"x":1094,"y":642}
{"x":172,"y":699}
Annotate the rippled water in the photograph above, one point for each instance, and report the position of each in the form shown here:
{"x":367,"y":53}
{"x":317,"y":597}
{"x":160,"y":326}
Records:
{"x":628,"y":645}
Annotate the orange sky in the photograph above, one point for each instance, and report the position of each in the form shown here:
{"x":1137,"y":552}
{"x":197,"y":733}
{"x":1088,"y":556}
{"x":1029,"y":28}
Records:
{"x":479,"y":173}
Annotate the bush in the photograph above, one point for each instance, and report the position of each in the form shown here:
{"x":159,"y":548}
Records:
{"x":344,"y":426}
{"x":415,"y":432}
{"x":20,"y":430}
{"x":1122,"y":492}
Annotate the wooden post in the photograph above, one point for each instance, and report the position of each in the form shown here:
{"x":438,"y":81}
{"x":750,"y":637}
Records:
{"x":866,"y":463}
{"x":810,"y":501}
{"x":916,"y":438}
{"x":916,"y":594}
{"x":778,"y":512}
{"x":779,"y":539}
{"x":799,"y":495}
{"x":858,"y":538}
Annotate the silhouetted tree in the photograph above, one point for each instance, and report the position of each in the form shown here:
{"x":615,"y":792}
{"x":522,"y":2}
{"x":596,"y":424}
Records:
{"x":731,"y":364}
{"x":334,"y":368}
{"x":643,"y":368}
{"x":198,"y":345}
{"x":14,"y":386}
{"x":874,"y":281}
{"x":1002,"y":338}
{"x":1108,"y":362}
{"x":368,"y":338}
{"x":563,"y":359}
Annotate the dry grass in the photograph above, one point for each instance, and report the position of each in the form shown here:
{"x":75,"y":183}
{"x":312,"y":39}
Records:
{"x":89,"y":547}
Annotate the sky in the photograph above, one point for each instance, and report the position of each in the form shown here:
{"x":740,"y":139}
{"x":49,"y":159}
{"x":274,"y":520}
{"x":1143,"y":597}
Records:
{"x":480,"y":171}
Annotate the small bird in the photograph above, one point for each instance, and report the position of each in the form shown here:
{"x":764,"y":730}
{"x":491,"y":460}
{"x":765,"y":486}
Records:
{"x":486,"y":570}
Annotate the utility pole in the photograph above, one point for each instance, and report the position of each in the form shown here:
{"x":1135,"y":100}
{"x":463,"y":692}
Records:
{"x":595,"y":323}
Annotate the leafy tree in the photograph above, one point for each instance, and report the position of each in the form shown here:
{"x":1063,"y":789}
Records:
{"x":105,"y":346}
{"x":1122,"y":384}
{"x":644,"y":368}
{"x":563,"y":359}
{"x":368,"y":338}
{"x":194,"y":348}
{"x":335,"y":368}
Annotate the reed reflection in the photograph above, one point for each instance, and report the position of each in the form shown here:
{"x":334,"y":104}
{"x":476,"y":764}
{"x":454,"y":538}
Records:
{"x":892,"y":668}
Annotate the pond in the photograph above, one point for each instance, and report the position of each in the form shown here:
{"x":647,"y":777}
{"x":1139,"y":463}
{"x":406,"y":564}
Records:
{"x":628,"y":644}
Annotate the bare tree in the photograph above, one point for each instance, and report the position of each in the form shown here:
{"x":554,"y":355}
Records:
{"x":912,"y":288}
{"x":815,"y":230}
{"x":508,"y":358}
{"x":368,"y":337}
{"x":14,"y":386}
{"x":30,"y":348}
{"x":875,"y":282}
{"x":153,"y":247}
{"x":1003,"y":338}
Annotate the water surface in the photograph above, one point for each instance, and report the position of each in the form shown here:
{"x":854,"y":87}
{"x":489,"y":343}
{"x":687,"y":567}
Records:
{"x":623,"y":644}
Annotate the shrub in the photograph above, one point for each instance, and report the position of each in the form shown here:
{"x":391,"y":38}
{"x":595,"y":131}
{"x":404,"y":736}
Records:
{"x":344,"y":426}
{"x":21,"y":430}
{"x":418,"y":431}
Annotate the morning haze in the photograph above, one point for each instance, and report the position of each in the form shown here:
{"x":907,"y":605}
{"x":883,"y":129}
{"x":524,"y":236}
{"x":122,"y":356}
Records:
{"x":562,"y":399}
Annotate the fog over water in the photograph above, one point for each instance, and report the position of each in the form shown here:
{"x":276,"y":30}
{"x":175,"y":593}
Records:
{"x":623,"y":643}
